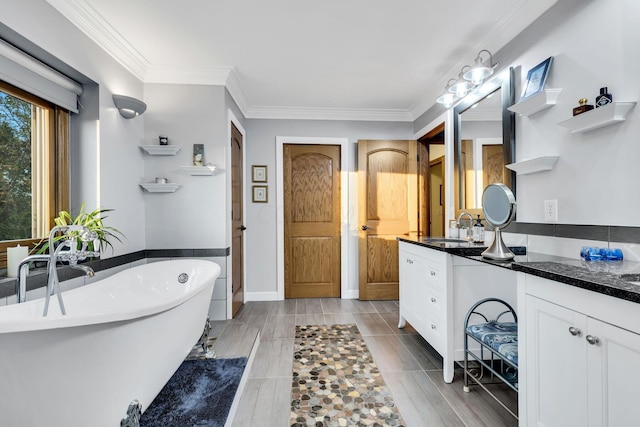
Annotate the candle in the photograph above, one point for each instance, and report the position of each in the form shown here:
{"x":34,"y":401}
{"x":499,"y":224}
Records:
{"x":14,"y":257}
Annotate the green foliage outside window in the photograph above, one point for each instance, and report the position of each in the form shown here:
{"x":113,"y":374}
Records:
{"x":15,"y":168}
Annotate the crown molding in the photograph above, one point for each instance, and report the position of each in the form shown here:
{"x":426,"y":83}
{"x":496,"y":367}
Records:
{"x":90,"y":22}
{"x":303,"y":113}
{"x":216,"y":76}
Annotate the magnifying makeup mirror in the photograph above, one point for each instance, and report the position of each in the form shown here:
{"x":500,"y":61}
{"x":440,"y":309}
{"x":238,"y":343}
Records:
{"x":499,"y":207}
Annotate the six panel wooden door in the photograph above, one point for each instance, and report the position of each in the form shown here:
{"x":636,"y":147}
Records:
{"x":312,"y":220}
{"x":387,"y":208}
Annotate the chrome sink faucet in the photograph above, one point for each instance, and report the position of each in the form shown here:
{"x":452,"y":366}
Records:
{"x":72,"y":255}
{"x":459,"y":222}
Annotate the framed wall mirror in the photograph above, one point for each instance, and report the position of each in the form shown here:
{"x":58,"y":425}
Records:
{"x":484,"y":142}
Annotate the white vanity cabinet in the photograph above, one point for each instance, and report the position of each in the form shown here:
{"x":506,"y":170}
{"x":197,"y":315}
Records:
{"x":436,"y":291}
{"x":579,"y":357}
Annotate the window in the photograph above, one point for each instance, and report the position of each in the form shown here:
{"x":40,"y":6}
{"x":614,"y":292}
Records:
{"x":34,"y":177}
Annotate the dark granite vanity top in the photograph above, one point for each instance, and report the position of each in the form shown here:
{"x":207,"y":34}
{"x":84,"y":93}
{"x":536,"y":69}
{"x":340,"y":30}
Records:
{"x":620,"y":279}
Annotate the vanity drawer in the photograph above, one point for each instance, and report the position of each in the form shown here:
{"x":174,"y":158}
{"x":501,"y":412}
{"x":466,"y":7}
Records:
{"x":435,"y":275}
{"x":434,"y":301}
{"x":433,"y":332}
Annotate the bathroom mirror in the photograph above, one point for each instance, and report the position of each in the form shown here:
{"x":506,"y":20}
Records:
{"x":499,"y":207}
{"x":484,"y":141}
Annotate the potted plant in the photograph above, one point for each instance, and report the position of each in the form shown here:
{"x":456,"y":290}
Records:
{"x":93,"y":221}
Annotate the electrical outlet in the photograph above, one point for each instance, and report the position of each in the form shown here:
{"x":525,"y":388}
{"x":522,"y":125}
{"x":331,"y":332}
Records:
{"x":551,"y":210}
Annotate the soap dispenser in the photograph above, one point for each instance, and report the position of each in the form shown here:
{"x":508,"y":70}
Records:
{"x":478,"y":231}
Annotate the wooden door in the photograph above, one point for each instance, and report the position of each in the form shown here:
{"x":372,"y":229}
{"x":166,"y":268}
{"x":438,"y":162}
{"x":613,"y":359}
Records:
{"x":311,"y":221}
{"x":237,"y":226}
{"x":387,"y":208}
{"x":436,"y":197}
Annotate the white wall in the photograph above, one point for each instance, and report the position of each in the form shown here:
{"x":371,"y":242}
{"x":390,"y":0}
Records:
{"x":106,"y":163}
{"x":596,"y":177}
{"x":195,"y":215}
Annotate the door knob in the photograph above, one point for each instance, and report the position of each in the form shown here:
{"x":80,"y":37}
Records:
{"x":592,"y":340}
{"x":574,"y":331}
{"x":242,"y":228}
{"x":365,"y":228}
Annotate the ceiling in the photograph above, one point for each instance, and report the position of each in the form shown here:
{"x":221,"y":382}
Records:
{"x":335,"y":59}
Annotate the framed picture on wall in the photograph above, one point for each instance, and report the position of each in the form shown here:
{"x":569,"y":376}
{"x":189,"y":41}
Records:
{"x":536,"y":77}
{"x":258,"y":173}
{"x":260,"y":194}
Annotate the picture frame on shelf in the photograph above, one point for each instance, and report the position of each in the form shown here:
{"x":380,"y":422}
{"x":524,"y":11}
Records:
{"x":536,"y":78}
{"x":259,"y":173}
{"x":260,"y":194}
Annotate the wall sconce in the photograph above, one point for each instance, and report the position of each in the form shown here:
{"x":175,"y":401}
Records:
{"x":480,"y":69}
{"x":461,"y":87}
{"x":129,"y":107}
{"x":468,"y":79}
{"x":447,"y":98}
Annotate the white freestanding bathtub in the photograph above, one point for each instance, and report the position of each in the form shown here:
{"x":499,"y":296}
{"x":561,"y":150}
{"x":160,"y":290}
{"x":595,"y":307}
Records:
{"x":122,"y":339}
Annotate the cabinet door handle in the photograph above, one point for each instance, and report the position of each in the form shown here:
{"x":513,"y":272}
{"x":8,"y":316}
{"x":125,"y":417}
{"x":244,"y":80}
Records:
{"x":592,"y":340}
{"x":574,"y":331}
{"x":433,"y":299}
{"x":433,"y":327}
{"x":433,"y":273}
{"x":409,"y":261}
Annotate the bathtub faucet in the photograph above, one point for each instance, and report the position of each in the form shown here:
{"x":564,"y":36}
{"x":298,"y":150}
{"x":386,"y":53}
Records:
{"x":74,"y":236}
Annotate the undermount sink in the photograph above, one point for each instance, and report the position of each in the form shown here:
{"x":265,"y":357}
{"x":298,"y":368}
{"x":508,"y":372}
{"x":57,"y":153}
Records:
{"x":444,"y":240}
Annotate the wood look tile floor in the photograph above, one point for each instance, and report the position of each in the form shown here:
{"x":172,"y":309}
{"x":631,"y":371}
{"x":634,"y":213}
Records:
{"x":411,"y":368}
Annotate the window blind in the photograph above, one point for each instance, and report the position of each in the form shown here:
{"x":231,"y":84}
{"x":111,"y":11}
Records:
{"x":24,"y":71}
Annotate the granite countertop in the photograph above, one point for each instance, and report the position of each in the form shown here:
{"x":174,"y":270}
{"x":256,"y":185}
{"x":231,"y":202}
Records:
{"x":619,"y":279}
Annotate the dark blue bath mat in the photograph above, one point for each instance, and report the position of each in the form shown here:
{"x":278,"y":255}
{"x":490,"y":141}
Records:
{"x":200,"y":393}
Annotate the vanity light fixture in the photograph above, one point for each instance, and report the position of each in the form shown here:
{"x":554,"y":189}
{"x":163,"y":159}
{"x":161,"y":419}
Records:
{"x":480,"y":69}
{"x":129,"y":107}
{"x":461,"y":86}
{"x":447,"y":98}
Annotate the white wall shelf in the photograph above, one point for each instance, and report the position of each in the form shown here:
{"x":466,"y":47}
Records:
{"x":538,"y":164}
{"x":541,"y":101}
{"x":198,"y":170}
{"x":153,"y":187}
{"x":599,"y":117}
{"x":160,"y":150}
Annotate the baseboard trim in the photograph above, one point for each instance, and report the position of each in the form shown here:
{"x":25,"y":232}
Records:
{"x":352,"y":294}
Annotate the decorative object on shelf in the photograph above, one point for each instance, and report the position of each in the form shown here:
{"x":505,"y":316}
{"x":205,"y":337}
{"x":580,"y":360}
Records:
{"x":538,"y":164}
{"x":609,"y":114}
{"x":258,"y":173}
{"x":536,"y":78}
{"x":162,"y":187}
{"x":160,"y":150}
{"x":469,"y":79}
{"x":604,"y":98}
{"x":199,"y":170}
{"x":583,"y":107}
{"x":260,"y":194}
{"x":198,"y":154}
{"x":159,"y":180}
{"x":547,"y":98}
{"x":164,"y":140}
{"x":129,"y":107}
{"x":14,"y":257}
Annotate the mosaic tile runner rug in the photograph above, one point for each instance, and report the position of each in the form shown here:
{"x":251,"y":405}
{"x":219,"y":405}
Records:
{"x":336,"y":383}
{"x":200,"y":393}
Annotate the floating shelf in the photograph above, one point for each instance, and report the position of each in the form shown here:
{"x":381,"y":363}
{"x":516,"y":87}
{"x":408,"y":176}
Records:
{"x":541,"y":101}
{"x":539,"y":164}
{"x":160,"y":150}
{"x":199,"y":170}
{"x":599,"y":117}
{"x":152,"y":187}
